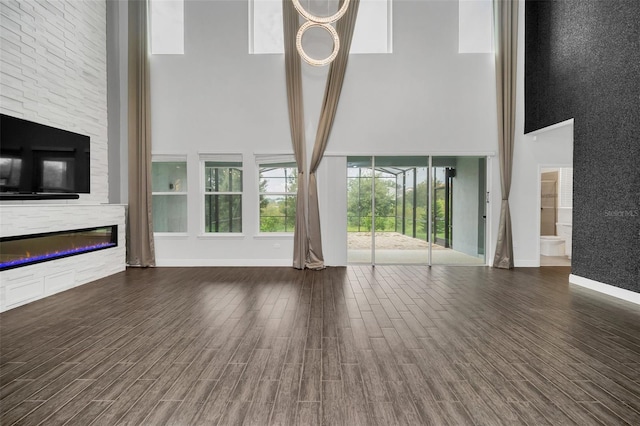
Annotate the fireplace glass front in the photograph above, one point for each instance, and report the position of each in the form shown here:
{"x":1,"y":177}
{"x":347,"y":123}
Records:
{"x":25,"y":250}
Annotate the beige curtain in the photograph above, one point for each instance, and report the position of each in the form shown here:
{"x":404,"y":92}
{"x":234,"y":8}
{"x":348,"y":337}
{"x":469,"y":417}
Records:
{"x":140,"y":247}
{"x":335,"y":78}
{"x":506,"y":44}
{"x":296,"y":125}
{"x":307,"y":246}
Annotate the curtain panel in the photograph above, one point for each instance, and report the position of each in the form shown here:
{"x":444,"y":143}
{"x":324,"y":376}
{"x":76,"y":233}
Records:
{"x":140,"y":245}
{"x":506,"y":45}
{"x":335,"y":80}
{"x":307,"y":234}
{"x":296,"y":126}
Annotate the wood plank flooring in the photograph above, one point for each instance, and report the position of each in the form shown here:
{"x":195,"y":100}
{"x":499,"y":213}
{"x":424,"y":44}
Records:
{"x":389,"y":345}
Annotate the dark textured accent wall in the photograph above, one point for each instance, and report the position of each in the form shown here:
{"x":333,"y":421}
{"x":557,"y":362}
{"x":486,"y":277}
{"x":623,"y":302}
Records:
{"x":582,"y":61}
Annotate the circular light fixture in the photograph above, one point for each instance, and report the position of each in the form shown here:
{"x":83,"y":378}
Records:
{"x":321,"y":19}
{"x":327,"y":27}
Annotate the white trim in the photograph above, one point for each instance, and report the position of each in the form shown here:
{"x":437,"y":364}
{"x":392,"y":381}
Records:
{"x":620,"y":293}
{"x":273,"y":153}
{"x":267,"y":159}
{"x":413,"y":154}
{"x":221,"y":193}
{"x":164,"y":157}
{"x":221,"y":157}
{"x":488,"y":229}
{"x":551,"y":127}
{"x":542,"y":166}
{"x":221,"y":236}
{"x":223,"y":262}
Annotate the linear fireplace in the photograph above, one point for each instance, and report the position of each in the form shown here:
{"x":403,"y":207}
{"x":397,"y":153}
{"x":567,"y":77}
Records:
{"x":26,"y":250}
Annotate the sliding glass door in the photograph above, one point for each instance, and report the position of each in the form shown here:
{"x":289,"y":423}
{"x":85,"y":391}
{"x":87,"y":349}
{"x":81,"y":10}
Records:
{"x":416,"y":210}
{"x":360,"y":210}
{"x":387,"y":210}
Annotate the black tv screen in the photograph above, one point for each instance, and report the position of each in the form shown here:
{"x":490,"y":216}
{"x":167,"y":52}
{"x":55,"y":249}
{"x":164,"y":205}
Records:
{"x":38,"y":159}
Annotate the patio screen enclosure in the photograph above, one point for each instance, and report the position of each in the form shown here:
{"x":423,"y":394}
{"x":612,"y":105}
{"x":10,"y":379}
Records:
{"x":402,"y":209}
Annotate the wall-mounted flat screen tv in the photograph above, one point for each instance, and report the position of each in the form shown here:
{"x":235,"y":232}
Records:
{"x":39,"y":159}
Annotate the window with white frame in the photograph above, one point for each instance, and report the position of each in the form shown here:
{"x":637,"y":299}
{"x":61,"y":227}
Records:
{"x":222,"y":192}
{"x":277,"y":188}
{"x":169,"y":193}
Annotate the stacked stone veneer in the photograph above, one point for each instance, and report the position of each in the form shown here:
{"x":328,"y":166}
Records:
{"x":26,"y":284}
{"x":53,"y":71}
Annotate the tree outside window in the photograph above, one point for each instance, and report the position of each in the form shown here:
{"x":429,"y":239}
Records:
{"x":222,"y":196}
{"x":278,"y":189}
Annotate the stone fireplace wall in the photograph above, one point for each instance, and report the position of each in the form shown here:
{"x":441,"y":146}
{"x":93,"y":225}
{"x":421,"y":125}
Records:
{"x":54,"y":72}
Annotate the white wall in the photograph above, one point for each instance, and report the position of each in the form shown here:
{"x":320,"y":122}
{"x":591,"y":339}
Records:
{"x":466,"y":185}
{"x":531,"y":153}
{"x":425,"y":98}
{"x":332,"y":197}
{"x":53,"y":71}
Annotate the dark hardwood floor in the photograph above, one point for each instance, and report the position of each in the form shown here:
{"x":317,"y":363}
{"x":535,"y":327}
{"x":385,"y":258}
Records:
{"x":353,"y":346}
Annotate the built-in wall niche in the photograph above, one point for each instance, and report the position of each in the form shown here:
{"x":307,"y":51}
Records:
{"x":23,"y":250}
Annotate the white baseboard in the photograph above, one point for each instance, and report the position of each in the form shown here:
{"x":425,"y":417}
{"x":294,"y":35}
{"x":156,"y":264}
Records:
{"x":223,"y":262}
{"x":620,"y":293}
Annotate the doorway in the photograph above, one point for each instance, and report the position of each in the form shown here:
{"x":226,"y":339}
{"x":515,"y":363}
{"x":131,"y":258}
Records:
{"x":416,"y":210}
{"x":556,"y":206}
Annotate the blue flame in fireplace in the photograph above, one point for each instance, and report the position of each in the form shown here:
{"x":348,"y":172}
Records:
{"x":50,"y":256}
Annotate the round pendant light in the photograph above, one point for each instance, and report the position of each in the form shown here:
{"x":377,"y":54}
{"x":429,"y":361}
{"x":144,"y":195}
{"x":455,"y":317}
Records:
{"x":323,"y":22}
{"x":308,"y":59}
{"x":321,"y":19}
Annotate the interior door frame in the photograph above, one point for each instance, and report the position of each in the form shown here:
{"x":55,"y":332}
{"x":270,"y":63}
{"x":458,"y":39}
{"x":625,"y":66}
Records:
{"x":539,"y":201}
